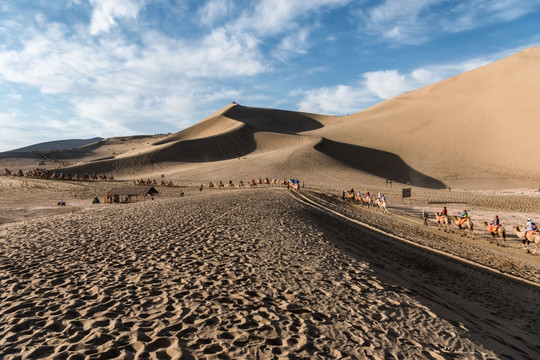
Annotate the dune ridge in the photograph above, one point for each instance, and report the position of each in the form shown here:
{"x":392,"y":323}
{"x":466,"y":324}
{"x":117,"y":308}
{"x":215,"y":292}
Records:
{"x":469,"y":131}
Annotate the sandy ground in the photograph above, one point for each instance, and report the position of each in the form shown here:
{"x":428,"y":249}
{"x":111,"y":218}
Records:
{"x":255,"y":273}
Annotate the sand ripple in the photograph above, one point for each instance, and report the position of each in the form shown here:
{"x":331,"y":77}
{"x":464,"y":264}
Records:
{"x":237,"y":274}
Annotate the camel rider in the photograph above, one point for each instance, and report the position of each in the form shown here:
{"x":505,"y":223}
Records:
{"x":464,"y":217}
{"x":444,"y":212}
{"x":368,"y":195}
{"x":530,"y":226}
{"x":494,"y":225}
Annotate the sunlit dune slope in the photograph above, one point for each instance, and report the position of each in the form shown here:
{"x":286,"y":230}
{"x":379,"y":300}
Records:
{"x":481,"y":124}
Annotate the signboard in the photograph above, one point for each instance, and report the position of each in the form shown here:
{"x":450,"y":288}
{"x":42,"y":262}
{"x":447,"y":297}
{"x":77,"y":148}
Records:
{"x":406,"y":193}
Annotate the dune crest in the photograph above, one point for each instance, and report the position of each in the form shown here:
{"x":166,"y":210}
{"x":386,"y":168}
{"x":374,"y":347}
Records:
{"x":475,"y":127}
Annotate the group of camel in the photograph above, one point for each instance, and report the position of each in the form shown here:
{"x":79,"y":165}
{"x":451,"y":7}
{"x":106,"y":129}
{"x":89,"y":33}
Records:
{"x":251,"y":183}
{"x":497,"y":232}
{"x":46,"y":174}
{"x":152,"y":182}
{"x":368,"y":201}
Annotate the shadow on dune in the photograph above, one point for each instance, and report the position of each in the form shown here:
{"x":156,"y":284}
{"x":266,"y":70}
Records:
{"x":280,"y":121}
{"x":227,"y":145}
{"x":376,"y":162}
{"x":216,"y":148}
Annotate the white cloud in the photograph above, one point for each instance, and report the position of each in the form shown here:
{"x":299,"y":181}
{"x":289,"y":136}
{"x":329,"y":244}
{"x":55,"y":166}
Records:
{"x":377,"y":86}
{"x":475,"y":13}
{"x":341,"y":99}
{"x":401,"y":21}
{"x":416,"y":21}
{"x":215,"y":10}
{"x":386,"y":84}
{"x":292,"y":44}
{"x":118,"y":83}
{"x":106,"y":12}
{"x":272,"y":17}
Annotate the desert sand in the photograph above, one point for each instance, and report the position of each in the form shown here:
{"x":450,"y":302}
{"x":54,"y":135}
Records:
{"x":256,"y":273}
{"x":268,"y":273}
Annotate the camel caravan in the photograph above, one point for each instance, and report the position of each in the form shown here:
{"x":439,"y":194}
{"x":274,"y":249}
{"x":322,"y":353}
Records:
{"x":530,"y":235}
{"x":380,"y":202}
{"x":152,"y":182}
{"x":55,"y":175}
{"x":253,"y":183}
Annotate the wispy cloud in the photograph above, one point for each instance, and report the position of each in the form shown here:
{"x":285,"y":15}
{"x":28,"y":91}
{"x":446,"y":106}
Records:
{"x":215,"y":10}
{"x":418,"y":21}
{"x":475,"y":13}
{"x":107,"y":12}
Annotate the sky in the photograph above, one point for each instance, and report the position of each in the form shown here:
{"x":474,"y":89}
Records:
{"x":76,"y":69}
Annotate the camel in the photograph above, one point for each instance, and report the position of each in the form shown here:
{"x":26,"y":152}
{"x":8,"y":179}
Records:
{"x":533,"y":237}
{"x":443,"y":221}
{"x":368,"y":201}
{"x":498,"y":230}
{"x":466,"y":224}
{"x":382,"y":206}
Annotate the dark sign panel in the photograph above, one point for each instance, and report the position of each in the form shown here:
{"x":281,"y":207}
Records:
{"x":406,"y":193}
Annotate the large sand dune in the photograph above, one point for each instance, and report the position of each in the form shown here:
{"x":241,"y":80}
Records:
{"x":480,"y":124}
{"x":475,"y":130}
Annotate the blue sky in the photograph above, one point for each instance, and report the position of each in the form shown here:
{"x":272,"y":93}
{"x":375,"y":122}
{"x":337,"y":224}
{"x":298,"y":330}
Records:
{"x":85,"y":68}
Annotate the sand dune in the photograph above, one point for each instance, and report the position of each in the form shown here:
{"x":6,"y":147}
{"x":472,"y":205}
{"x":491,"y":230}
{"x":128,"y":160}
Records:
{"x":480,"y":124}
{"x":475,"y":130}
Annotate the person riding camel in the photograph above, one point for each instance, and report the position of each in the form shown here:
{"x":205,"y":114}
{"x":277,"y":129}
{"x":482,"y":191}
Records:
{"x":530,"y":226}
{"x":444,"y":212}
{"x":494,"y":225}
{"x":464,"y":217}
